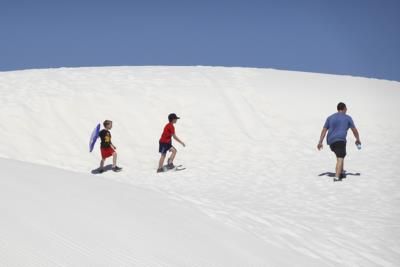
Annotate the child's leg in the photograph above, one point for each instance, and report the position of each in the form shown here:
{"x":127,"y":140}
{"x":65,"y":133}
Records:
{"x":161,"y":162}
{"x":173,"y":154}
{"x":114,"y":159}
{"x":102,"y":163}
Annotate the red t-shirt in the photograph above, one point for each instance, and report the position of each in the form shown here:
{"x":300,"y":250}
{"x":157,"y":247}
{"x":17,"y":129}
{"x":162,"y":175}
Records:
{"x":169,"y":130}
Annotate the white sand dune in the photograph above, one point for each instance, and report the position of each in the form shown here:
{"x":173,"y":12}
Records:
{"x":52,"y":217}
{"x":254,"y":177}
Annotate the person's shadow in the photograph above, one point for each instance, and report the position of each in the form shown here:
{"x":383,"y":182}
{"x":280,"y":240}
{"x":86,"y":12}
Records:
{"x":105,"y":169}
{"x":344,"y":175}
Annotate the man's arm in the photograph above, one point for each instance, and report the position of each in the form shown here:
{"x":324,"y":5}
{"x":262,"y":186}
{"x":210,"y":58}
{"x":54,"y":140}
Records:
{"x":356,"y":135}
{"x":321,"y":139}
{"x":177,"y":139}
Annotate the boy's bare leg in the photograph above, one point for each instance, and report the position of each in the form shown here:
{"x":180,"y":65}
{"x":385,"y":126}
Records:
{"x":114,"y":159}
{"x":161,"y":162}
{"x":173,"y":154}
{"x":339,"y":167}
{"x":102,"y":163}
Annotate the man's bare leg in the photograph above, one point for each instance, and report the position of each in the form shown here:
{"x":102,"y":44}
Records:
{"x":342,"y":171}
{"x":339,"y":167}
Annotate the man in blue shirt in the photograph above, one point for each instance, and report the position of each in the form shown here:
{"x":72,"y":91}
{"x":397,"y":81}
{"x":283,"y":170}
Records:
{"x":337,"y":126}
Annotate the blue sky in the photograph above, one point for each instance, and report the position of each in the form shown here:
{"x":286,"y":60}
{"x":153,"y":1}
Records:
{"x":353,"y":37}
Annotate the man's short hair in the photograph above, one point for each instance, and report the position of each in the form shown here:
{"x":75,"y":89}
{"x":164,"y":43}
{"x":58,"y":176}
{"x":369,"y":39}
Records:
{"x":341,"y":106}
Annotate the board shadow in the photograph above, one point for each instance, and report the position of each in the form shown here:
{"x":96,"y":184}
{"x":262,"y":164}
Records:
{"x":106,"y":169}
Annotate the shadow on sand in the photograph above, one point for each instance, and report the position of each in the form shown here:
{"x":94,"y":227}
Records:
{"x":106,"y":169}
{"x":344,"y":175}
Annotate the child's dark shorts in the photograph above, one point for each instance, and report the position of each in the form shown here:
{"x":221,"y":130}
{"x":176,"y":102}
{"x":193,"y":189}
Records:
{"x":164,"y":148}
{"x":339,"y":148}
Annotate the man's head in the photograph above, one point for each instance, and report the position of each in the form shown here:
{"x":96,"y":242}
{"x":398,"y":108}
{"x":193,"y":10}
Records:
{"x":107,"y":124}
{"x":173,"y":118}
{"x":341,"y":107}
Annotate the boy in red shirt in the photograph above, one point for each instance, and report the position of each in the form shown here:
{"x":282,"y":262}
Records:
{"x":107,"y":148}
{"x":166,"y":143}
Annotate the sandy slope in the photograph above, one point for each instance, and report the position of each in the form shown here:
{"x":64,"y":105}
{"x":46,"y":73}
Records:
{"x":251,"y":156}
{"x":52,"y":217}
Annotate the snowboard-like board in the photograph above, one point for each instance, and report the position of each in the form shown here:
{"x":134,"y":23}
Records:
{"x":176,"y":168}
{"x":105,"y":169}
{"x":93,"y":137}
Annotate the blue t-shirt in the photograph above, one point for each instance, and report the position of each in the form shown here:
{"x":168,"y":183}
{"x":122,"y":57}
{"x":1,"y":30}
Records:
{"x":338,"y":124}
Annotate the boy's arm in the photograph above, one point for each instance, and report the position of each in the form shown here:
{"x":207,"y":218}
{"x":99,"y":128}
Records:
{"x":112,"y":145}
{"x":356,"y":135}
{"x":177,"y":139}
{"x":321,"y":139}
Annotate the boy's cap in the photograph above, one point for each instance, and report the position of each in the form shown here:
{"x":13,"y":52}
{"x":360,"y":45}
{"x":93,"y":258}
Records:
{"x":173,"y":116}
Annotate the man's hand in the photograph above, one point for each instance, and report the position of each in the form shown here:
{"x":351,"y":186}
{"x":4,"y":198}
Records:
{"x":183,"y":144}
{"x":356,"y":135}
{"x":321,"y":139}
{"x":319,"y":146}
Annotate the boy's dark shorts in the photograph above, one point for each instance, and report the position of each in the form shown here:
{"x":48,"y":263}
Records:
{"x":339,"y":148}
{"x":164,"y":148}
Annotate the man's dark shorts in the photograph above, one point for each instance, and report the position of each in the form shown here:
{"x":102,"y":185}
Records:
{"x":164,"y":148}
{"x":339,"y":148}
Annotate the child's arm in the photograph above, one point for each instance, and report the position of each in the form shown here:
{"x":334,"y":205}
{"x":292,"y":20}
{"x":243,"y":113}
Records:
{"x":177,"y":139}
{"x":112,"y":146}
